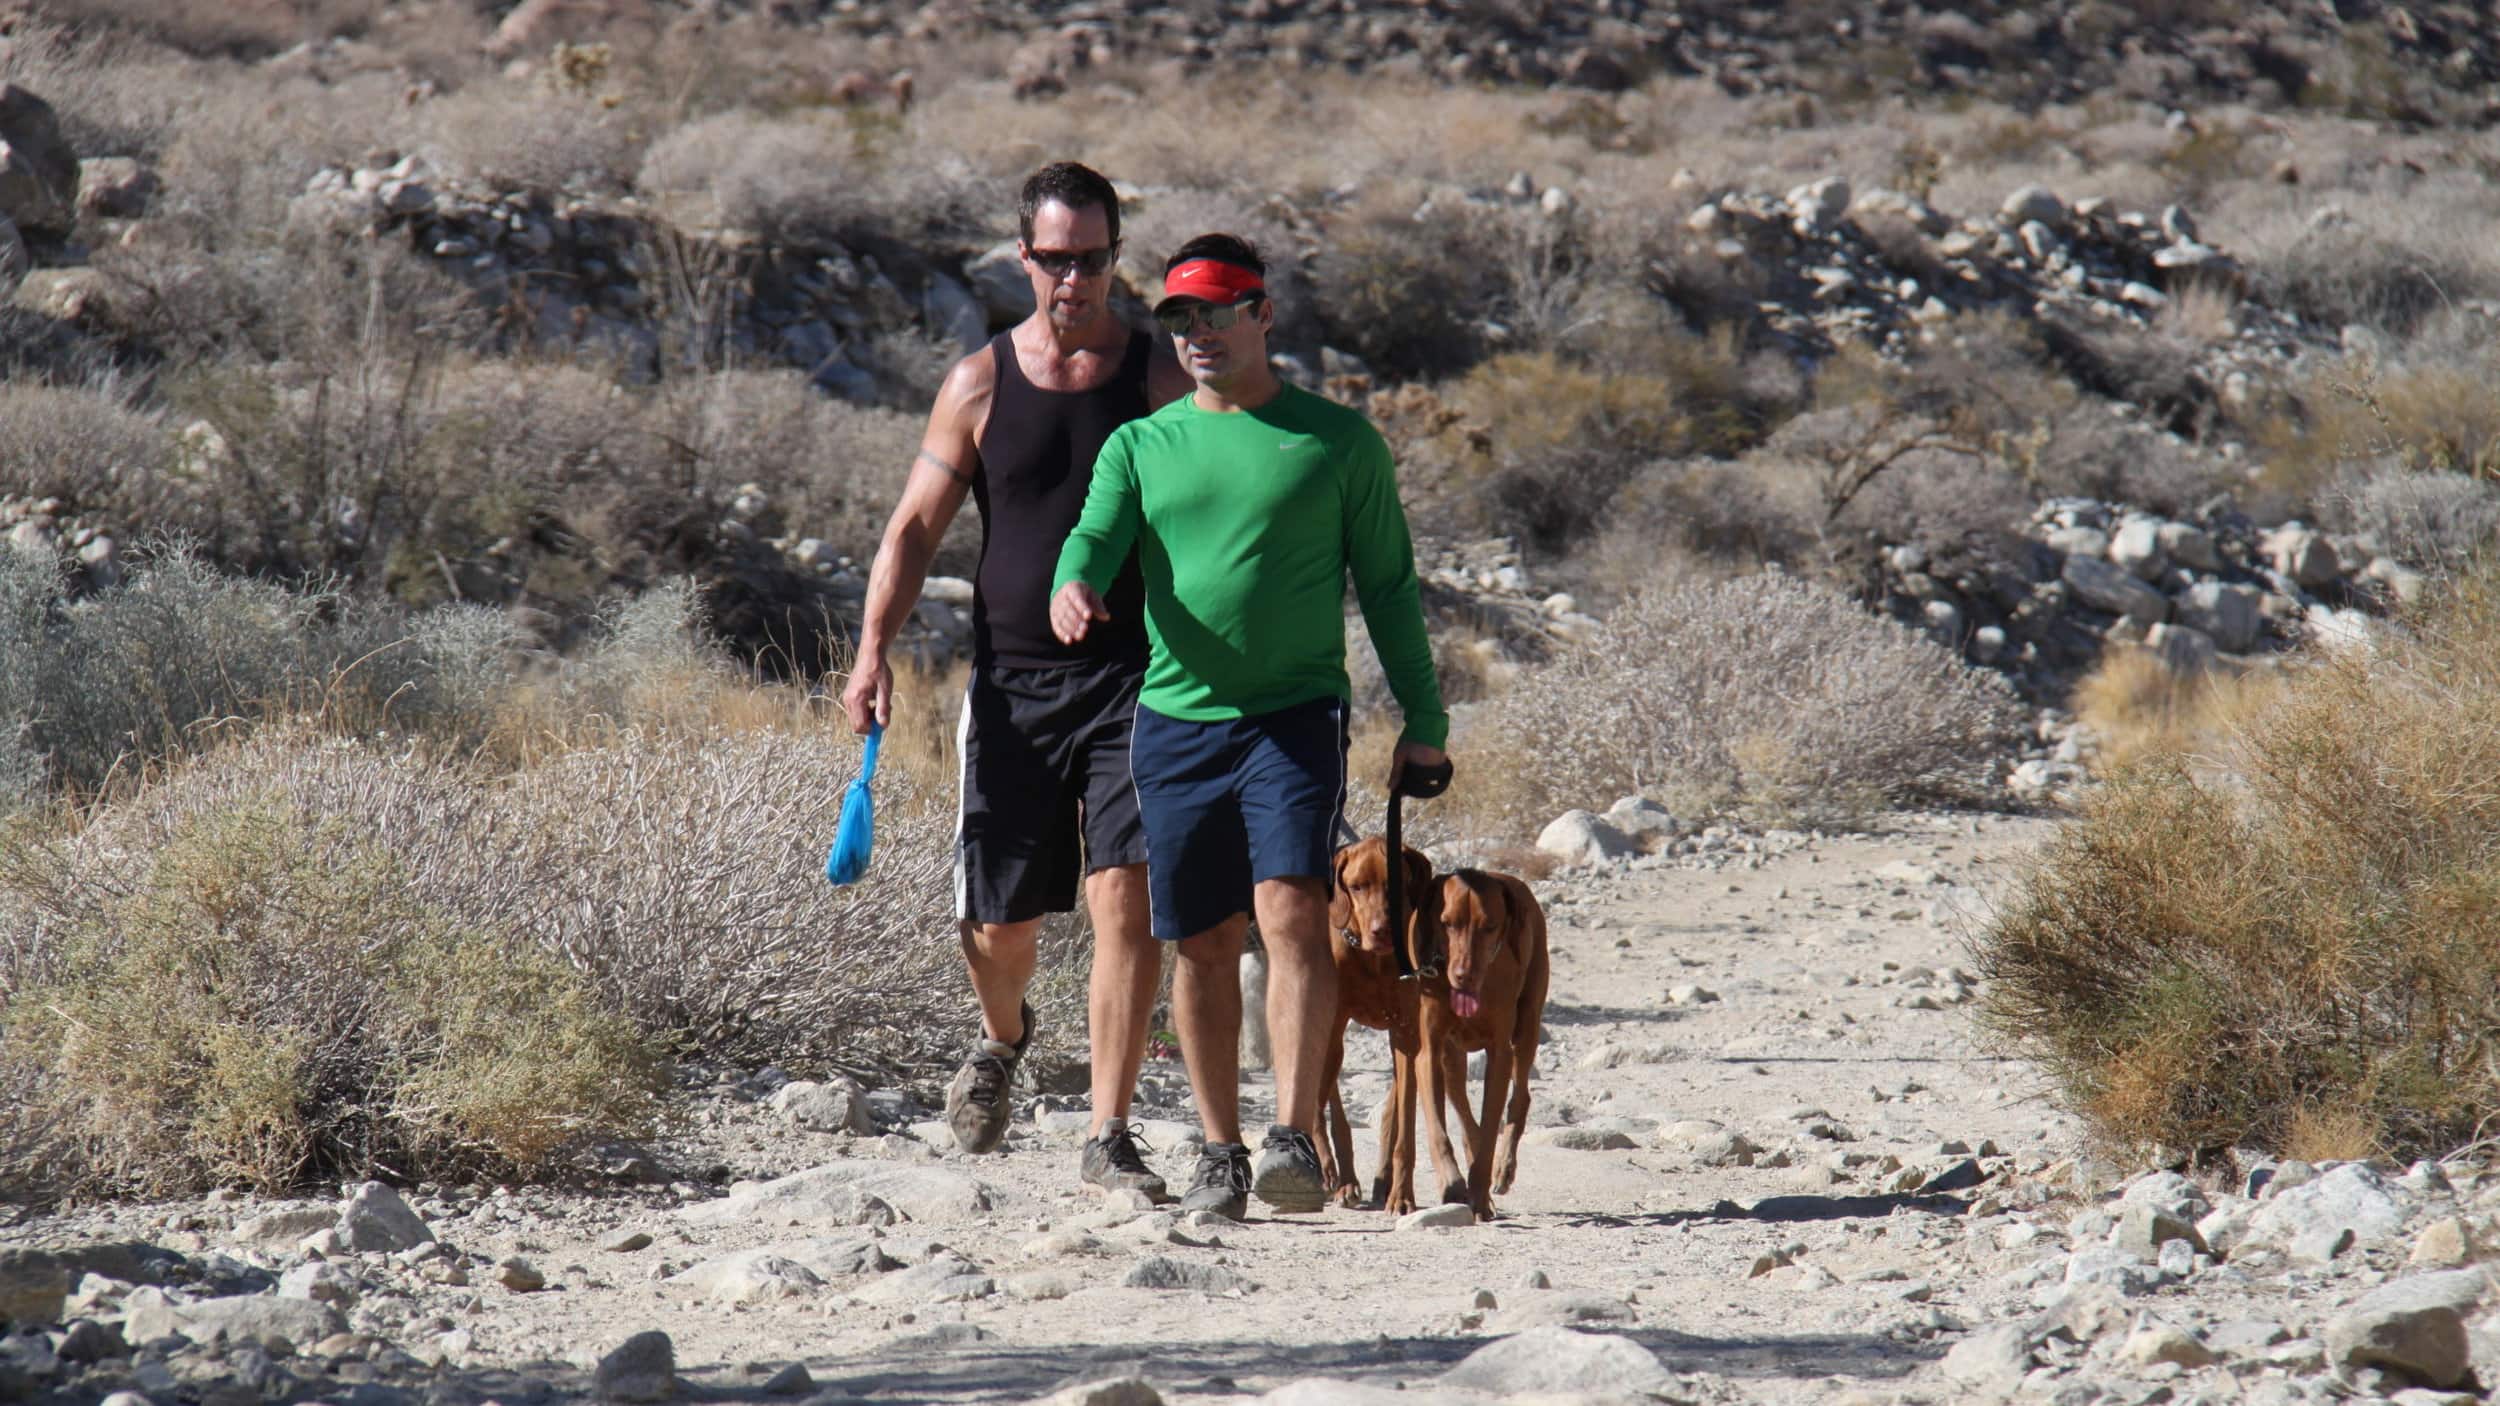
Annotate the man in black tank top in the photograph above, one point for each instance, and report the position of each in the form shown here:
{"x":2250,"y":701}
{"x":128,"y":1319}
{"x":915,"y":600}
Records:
{"x":1044,"y":739}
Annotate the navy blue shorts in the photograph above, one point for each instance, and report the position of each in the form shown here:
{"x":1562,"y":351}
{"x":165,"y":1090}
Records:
{"x":1227,"y":804}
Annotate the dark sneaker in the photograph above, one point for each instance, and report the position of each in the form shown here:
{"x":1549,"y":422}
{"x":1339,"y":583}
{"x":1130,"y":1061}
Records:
{"x":1288,"y":1175}
{"x":1222,"y":1184}
{"x":976,"y":1103}
{"x":1116,"y":1161}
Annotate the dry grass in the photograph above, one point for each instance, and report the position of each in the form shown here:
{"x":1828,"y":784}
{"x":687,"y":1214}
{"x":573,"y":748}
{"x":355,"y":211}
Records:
{"x":2289,"y":945}
{"x":2138,"y":707}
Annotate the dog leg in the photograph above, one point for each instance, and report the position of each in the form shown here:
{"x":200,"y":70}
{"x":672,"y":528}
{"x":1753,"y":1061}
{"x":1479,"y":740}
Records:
{"x":1515,"y":1119}
{"x":1433,"y":1093}
{"x":1497,"y":1062}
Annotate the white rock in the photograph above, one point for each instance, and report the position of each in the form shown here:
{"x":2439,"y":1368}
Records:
{"x":1578,"y":837}
{"x":850,"y":1193}
{"x":375,"y":1218}
{"x":2137,"y":548}
{"x":1557,"y":1359}
{"x":837,"y":1105}
{"x":2229,"y":615}
{"x":1447,"y":1216}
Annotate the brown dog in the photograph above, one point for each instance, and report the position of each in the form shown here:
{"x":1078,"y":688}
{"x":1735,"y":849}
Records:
{"x":1369,"y":991}
{"x":1493,"y":1000}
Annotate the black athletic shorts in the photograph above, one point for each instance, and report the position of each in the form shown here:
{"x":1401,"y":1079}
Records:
{"x":1230,"y":803}
{"x":1046,"y":788}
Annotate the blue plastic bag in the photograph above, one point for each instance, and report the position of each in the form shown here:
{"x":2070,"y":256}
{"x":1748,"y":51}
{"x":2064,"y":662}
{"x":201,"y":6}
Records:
{"x":848,"y":859}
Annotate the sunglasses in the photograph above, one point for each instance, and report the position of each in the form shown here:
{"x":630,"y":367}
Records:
{"x":1216,"y":317}
{"x":1089,"y":262}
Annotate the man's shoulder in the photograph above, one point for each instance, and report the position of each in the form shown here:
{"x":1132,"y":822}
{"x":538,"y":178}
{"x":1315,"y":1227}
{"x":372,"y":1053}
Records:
{"x":1335,"y":423}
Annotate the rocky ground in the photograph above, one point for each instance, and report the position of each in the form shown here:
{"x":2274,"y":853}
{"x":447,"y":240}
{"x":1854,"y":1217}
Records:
{"x":1770,"y":1161}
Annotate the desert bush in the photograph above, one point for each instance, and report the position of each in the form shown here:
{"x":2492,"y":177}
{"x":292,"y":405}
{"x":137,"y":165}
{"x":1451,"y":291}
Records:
{"x":259,"y":999}
{"x":2289,"y":945}
{"x":1762,"y":695}
{"x":1407,"y":294}
{"x":2430,"y":410}
{"x":2427,"y":518}
{"x":780,"y":178}
{"x":2136,"y":706}
{"x":86,"y":445}
{"x":535,"y":135}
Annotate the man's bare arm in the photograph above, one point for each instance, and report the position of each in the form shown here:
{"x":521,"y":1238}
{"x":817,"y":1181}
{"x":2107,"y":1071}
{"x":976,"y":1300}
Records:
{"x":941,"y":475}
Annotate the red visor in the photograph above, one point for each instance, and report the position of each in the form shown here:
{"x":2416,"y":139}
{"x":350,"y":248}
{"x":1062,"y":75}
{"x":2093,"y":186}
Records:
{"x":1210,"y":281}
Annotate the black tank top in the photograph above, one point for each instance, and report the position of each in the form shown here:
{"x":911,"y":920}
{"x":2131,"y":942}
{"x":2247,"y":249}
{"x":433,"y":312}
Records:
{"x":1037,"y":460}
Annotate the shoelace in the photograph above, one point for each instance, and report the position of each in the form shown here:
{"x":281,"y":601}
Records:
{"x":1229,"y":1173}
{"x":989,"y":1077}
{"x":1126,"y":1149}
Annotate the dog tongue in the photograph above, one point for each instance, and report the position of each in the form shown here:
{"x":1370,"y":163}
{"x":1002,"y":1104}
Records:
{"x":1463,"y":1002}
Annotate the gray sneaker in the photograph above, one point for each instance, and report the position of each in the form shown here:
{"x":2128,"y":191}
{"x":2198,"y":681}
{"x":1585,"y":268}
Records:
{"x":1222,"y":1184}
{"x":976,"y":1102}
{"x":1288,"y":1175}
{"x":1116,"y":1161}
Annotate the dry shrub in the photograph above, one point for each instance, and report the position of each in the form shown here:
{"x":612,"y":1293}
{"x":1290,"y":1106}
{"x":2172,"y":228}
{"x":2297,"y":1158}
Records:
{"x":86,"y":445}
{"x":1407,"y":294}
{"x":2301,"y":929}
{"x":2137,"y":706}
{"x":535,"y":135}
{"x":778,"y":177}
{"x":1764,"y":696}
{"x":243,"y":29}
{"x":258,"y":997}
{"x":2435,"y":410}
{"x":2427,"y":518}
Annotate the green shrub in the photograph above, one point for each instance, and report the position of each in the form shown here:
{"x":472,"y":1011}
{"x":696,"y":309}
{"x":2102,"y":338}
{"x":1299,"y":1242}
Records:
{"x":2287,"y":941}
{"x":264,"y":1001}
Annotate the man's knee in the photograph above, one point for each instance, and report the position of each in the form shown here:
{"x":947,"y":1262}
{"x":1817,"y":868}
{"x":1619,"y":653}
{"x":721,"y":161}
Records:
{"x":986,"y":941}
{"x":1217,"y":946}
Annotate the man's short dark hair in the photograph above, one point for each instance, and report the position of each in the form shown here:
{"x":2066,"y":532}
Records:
{"x":1072,"y":184}
{"x":1223,"y":248}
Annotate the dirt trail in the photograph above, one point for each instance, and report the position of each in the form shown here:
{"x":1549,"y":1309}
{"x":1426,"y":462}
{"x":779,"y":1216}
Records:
{"x":1826,"y":1031}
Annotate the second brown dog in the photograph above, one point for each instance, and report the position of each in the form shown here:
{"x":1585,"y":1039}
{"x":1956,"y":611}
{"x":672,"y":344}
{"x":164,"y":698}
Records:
{"x":1494,"y":1001}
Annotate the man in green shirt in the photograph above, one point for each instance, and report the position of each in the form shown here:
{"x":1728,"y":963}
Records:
{"x":1249,"y":503}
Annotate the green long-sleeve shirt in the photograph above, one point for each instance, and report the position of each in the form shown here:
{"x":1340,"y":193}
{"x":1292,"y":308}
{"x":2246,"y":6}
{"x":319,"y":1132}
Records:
{"x":1247,"y":525}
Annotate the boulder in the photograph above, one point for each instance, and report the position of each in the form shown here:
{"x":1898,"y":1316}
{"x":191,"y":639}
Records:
{"x":2032,"y":204}
{"x":1819,"y":205}
{"x":850,"y":1193}
{"x":2349,"y":1197}
{"x":2304,"y":555}
{"x":1555,"y":1359}
{"x":262,"y":1319}
{"x":2182,"y":649}
{"x":375,"y":1218}
{"x":835,"y":1106}
{"x":275,"y":1232}
{"x":38,"y":171}
{"x":1992,"y":1360}
{"x":33,"y":1286}
{"x":2136,"y":548}
{"x":2106,"y":587}
{"x":952,"y":314}
{"x":1578,"y":837}
{"x":997,"y":278}
{"x":642,"y":1368}
{"x":2415,"y":1326}
{"x":2189,"y":546}
{"x":2228,"y":615}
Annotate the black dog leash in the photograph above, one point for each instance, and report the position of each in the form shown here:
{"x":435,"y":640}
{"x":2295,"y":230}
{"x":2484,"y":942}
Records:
{"x":1423,"y":783}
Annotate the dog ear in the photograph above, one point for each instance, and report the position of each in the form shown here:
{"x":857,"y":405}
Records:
{"x":1418,"y":872}
{"x":1340,"y":903}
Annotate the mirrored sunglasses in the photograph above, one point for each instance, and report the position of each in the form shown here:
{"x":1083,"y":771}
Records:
{"x":1218,"y":317}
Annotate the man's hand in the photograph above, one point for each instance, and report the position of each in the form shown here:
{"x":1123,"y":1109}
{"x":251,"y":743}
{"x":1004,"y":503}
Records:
{"x":869,"y":697}
{"x":1412,"y":753}
{"x":1074,"y":610}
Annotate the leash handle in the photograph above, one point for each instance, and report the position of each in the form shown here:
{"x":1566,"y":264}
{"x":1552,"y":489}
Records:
{"x":868,"y":757}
